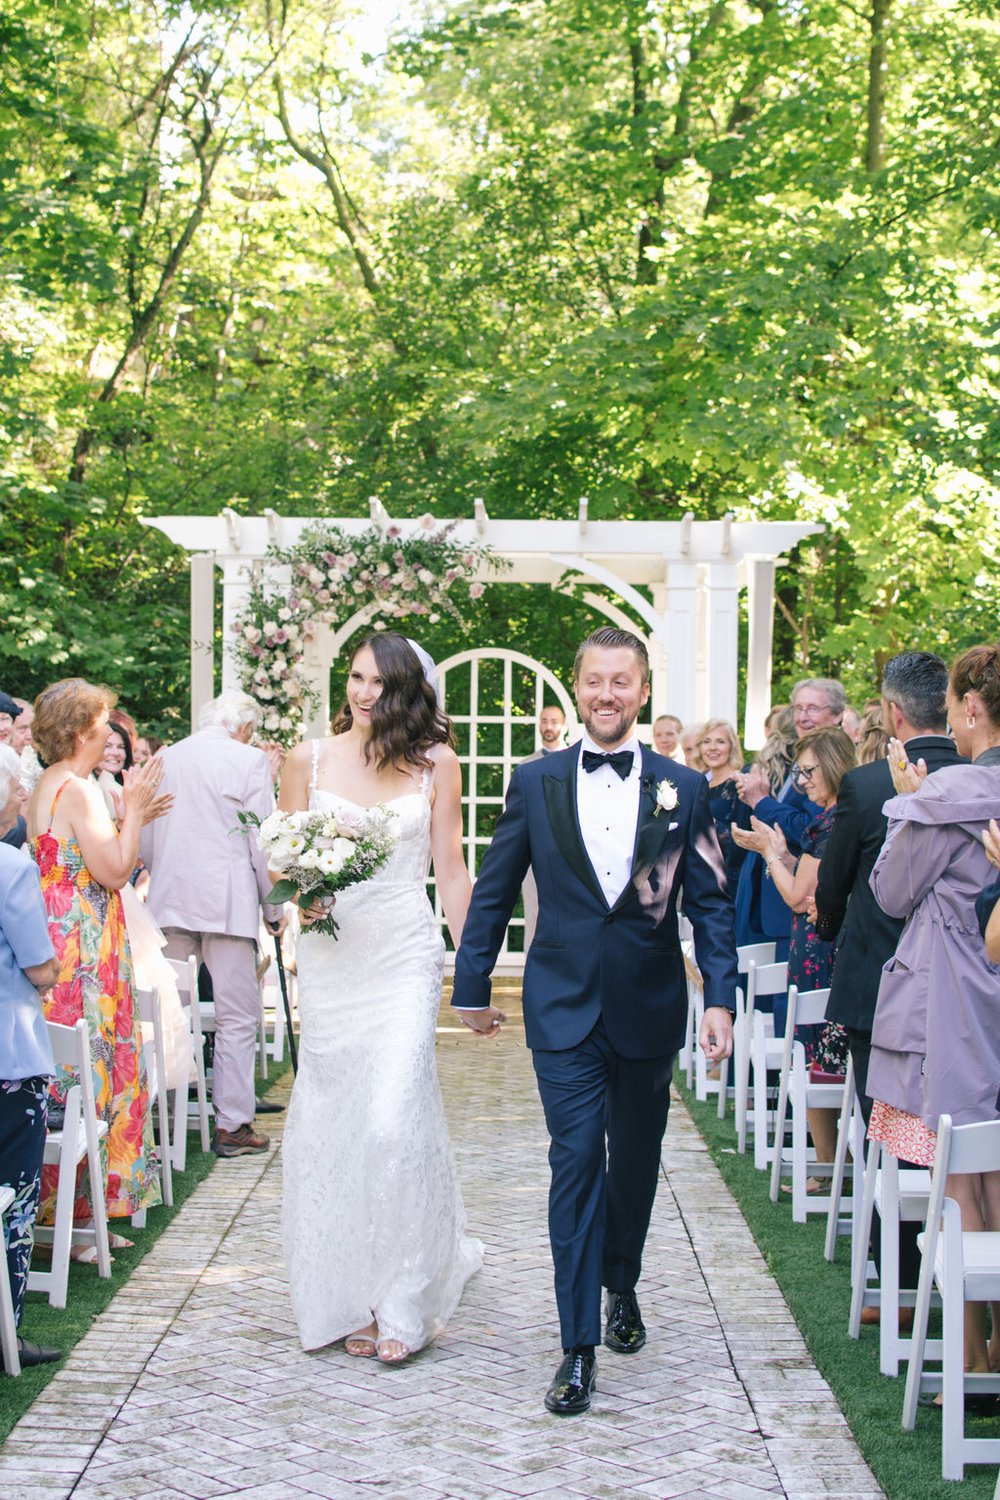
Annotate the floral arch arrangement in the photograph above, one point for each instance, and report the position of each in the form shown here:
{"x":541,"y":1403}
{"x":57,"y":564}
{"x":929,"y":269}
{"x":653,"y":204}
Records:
{"x":333,"y":576}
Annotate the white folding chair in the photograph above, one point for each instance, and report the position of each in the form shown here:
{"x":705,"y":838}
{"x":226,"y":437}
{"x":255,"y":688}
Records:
{"x":186,"y":974}
{"x":749,"y":959}
{"x":897,"y":1194}
{"x":8,"y":1328}
{"x":850,"y":1139}
{"x":154,"y":1048}
{"x":805,"y":1008}
{"x":963,"y":1267}
{"x":79,"y":1140}
{"x":766,"y":1052}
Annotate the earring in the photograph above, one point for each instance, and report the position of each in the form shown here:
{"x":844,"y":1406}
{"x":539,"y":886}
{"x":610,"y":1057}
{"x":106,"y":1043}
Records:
{"x":970,"y":721}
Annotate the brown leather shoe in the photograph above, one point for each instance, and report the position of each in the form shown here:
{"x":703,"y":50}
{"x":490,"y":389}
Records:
{"x":240,"y":1142}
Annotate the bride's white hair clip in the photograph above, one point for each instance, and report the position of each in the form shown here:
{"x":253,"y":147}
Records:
{"x":427,"y":662}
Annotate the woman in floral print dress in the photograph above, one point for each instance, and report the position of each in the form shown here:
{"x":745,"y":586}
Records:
{"x":822,"y":759}
{"x":83,"y":862}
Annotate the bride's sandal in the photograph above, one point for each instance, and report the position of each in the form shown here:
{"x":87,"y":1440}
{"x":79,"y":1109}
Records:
{"x":363,"y":1343}
{"x":392,"y":1351}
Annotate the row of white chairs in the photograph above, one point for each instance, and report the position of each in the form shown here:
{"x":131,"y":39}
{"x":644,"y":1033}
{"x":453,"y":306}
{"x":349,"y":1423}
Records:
{"x":771,"y":1094}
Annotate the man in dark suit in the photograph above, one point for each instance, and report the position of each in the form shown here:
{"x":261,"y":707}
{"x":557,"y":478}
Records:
{"x":611,"y":831}
{"x":913,"y":709}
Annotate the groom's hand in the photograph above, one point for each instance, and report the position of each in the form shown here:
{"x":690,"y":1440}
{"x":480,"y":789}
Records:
{"x":716,"y":1036}
{"x":486,"y":1022}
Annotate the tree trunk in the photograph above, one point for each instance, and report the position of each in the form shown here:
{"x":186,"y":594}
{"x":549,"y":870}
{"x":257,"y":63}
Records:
{"x":877,"y":64}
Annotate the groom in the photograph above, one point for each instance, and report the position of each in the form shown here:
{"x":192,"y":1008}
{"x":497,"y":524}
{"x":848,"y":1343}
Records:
{"x":611,"y":831}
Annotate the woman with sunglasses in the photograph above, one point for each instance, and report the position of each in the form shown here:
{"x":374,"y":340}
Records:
{"x":822,"y":759}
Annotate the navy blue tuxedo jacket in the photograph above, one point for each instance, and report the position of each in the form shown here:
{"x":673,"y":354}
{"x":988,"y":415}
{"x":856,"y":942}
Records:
{"x":589,"y":959}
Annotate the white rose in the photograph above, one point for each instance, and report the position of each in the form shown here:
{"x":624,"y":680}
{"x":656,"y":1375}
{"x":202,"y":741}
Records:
{"x":284,"y":613}
{"x":312,"y":859}
{"x":666,"y":796}
{"x":270,"y":626}
{"x":426,"y":576}
{"x":271,"y":827}
{"x":251,"y":634}
{"x":270,"y":721}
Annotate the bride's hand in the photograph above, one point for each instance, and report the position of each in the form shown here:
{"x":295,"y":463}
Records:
{"x":316,"y":911}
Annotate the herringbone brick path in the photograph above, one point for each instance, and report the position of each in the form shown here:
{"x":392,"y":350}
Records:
{"x":193,"y":1385}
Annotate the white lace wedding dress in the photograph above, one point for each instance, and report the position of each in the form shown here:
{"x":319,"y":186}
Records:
{"x":372,"y":1217}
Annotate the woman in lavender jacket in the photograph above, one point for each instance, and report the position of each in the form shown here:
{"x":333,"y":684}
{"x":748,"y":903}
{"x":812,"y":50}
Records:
{"x":936,"y":1037}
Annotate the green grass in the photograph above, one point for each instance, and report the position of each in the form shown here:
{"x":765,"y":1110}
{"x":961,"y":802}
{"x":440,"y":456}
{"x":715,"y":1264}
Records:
{"x":88,"y":1294}
{"x":906,"y":1464}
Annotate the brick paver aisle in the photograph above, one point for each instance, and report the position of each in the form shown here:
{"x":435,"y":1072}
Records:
{"x":193,"y":1384}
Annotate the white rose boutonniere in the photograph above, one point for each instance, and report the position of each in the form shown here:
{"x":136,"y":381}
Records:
{"x":666,"y":797}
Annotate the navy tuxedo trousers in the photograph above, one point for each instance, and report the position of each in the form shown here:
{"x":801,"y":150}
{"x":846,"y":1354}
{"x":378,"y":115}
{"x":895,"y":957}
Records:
{"x":606,"y":1116}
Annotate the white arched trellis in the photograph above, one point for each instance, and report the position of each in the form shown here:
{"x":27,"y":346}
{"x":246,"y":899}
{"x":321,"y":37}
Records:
{"x":678,"y":583}
{"x":493,"y":697}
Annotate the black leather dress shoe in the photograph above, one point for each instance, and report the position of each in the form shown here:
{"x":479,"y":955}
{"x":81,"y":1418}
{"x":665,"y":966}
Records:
{"x":625,"y":1333}
{"x":35,"y":1354}
{"x":570,"y":1391}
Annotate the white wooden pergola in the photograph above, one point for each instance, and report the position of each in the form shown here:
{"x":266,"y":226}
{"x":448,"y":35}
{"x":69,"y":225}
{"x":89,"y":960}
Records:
{"x":694,"y":572}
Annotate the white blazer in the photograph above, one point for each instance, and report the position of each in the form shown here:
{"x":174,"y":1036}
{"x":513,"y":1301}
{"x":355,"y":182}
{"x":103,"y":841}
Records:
{"x":205,"y":873}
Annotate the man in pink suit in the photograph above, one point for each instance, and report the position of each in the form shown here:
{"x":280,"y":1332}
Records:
{"x":208,"y":883}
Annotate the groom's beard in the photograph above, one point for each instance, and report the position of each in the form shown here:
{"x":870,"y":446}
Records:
{"x":608,"y":731}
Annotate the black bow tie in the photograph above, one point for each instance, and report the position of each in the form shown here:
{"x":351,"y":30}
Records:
{"x":620,"y":761}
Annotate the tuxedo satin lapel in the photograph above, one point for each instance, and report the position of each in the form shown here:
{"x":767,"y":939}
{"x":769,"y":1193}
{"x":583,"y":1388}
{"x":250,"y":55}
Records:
{"x":651,"y":831}
{"x":560,"y":804}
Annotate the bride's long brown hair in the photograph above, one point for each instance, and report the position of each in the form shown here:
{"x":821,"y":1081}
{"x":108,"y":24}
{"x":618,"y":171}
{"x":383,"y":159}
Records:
{"x":405,"y":717}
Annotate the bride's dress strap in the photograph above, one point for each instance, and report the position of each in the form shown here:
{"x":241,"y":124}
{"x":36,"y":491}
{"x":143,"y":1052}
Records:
{"x":314,"y":778}
{"x":425,"y":781}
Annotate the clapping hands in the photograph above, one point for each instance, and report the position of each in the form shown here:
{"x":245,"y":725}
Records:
{"x":140,"y":792}
{"x":906,"y":777}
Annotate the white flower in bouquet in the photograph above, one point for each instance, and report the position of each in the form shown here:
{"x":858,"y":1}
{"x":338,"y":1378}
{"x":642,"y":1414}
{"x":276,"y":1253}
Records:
{"x":316,"y":854}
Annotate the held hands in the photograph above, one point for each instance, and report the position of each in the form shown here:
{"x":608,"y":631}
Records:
{"x":316,"y":911}
{"x":716,"y":1035}
{"x":905,"y":776}
{"x":483,"y":1022}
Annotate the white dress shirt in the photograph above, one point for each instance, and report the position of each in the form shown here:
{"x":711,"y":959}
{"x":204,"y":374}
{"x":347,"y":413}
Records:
{"x":608,"y":809}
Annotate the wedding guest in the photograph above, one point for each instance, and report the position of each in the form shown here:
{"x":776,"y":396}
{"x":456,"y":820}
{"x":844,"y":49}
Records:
{"x":873,"y":741}
{"x":914,"y":685}
{"x":935,"y":1045}
{"x":20,"y":737}
{"x":551,"y":732}
{"x":14,"y":832}
{"x":146,"y":746}
{"x":667,"y":731}
{"x":719,"y":751}
{"x":823,"y":758}
{"x":117,"y":757}
{"x":27,"y":965}
{"x":207,"y":887}
{"x":9,"y":711}
{"x":988,"y":902}
{"x":84,"y":861}
{"x":851,"y":723}
{"x":689,"y":746}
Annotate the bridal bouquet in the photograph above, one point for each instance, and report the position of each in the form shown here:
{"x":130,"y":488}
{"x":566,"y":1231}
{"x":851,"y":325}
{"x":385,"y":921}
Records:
{"x":320,"y":853}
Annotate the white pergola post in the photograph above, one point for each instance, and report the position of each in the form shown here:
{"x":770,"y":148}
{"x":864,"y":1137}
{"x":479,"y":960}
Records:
{"x":681,"y":631}
{"x":202,"y":632}
{"x":760,"y":642}
{"x":721,"y":638}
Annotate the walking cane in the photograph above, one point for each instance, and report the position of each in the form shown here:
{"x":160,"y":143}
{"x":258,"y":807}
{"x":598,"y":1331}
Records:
{"x":283,"y":981}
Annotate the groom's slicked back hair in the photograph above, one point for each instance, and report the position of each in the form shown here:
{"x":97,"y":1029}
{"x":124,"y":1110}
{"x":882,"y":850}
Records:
{"x":608,"y":638}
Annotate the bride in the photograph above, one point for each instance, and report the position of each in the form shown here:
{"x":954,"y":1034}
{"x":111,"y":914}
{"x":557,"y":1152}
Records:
{"x":373,"y":1218}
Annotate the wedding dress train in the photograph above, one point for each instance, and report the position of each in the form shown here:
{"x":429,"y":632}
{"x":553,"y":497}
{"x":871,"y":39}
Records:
{"x":373,"y":1221}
